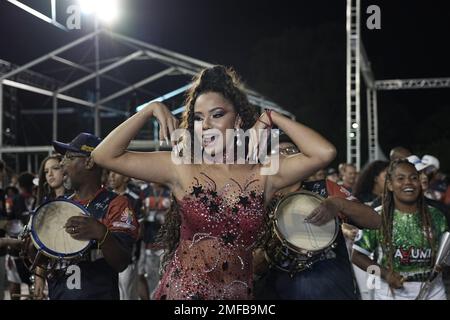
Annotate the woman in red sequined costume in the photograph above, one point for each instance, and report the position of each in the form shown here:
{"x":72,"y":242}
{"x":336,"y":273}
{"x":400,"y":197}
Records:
{"x":219,"y":207}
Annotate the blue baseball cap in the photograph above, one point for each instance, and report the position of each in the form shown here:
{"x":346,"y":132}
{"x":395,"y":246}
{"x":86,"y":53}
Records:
{"x":84,"y":143}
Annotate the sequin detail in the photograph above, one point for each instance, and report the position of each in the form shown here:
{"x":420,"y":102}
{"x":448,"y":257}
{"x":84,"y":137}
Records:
{"x":219,"y":229}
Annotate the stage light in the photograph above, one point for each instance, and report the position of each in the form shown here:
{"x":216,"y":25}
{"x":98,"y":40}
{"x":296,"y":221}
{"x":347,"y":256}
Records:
{"x":106,"y":10}
{"x":355,"y":125}
{"x":87,"y":6}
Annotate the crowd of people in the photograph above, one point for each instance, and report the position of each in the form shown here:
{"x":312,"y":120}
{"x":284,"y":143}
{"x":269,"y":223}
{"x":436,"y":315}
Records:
{"x":60,"y":177}
{"x":163,"y":225}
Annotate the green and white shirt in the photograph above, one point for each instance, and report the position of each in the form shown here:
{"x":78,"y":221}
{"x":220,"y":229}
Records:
{"x":412,"y":258}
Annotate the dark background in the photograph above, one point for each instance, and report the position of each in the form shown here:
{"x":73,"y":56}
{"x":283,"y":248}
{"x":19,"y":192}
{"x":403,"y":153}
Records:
{"x":293,"y":52}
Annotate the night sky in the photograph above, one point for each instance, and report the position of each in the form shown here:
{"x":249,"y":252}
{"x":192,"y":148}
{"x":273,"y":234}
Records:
{"x":291,"y":51}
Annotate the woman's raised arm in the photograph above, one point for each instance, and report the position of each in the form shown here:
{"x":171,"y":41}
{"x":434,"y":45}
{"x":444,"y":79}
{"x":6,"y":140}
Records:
{"x":112,"y":152}
{"x":316,"y":152}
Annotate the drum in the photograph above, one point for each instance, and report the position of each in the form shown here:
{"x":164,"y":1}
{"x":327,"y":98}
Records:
{"x":296,"y":245}
{"x":48,"y":235}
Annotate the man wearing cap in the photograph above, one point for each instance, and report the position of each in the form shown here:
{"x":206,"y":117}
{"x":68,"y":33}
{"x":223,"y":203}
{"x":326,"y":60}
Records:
{"x":112,"y":225}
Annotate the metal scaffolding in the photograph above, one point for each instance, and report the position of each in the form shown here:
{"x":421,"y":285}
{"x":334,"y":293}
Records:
{"x":372,"y":125}
{"x":432,"y":83}
{"x":40,"y":15}
{"x":173,"y":64}
{"x":176,"y":64}
{"x":353,"y":83}
{"x":358,"y":63}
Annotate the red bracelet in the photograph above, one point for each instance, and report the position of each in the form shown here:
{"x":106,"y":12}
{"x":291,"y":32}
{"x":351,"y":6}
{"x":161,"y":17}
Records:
{"x":268,"y":112}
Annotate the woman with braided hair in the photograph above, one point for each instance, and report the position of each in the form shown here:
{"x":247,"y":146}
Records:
{"x":219,"y":201}
{"x":406,"y":245}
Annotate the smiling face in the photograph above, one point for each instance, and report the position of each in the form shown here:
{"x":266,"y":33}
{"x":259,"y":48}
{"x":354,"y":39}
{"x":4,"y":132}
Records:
{"x":405,"y":184}
{"x":53,"y":173}
{"x":213,"y":115}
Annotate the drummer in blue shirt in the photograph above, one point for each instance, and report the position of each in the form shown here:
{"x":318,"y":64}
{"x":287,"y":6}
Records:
{"x":112,"y":226}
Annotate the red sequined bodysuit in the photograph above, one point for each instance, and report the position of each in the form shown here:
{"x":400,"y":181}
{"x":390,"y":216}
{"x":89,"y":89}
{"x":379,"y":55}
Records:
{"x":218,"y":232}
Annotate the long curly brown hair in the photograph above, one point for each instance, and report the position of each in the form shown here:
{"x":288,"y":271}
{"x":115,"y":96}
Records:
{"x":218,"y":79}
{"x":387,"y":216}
